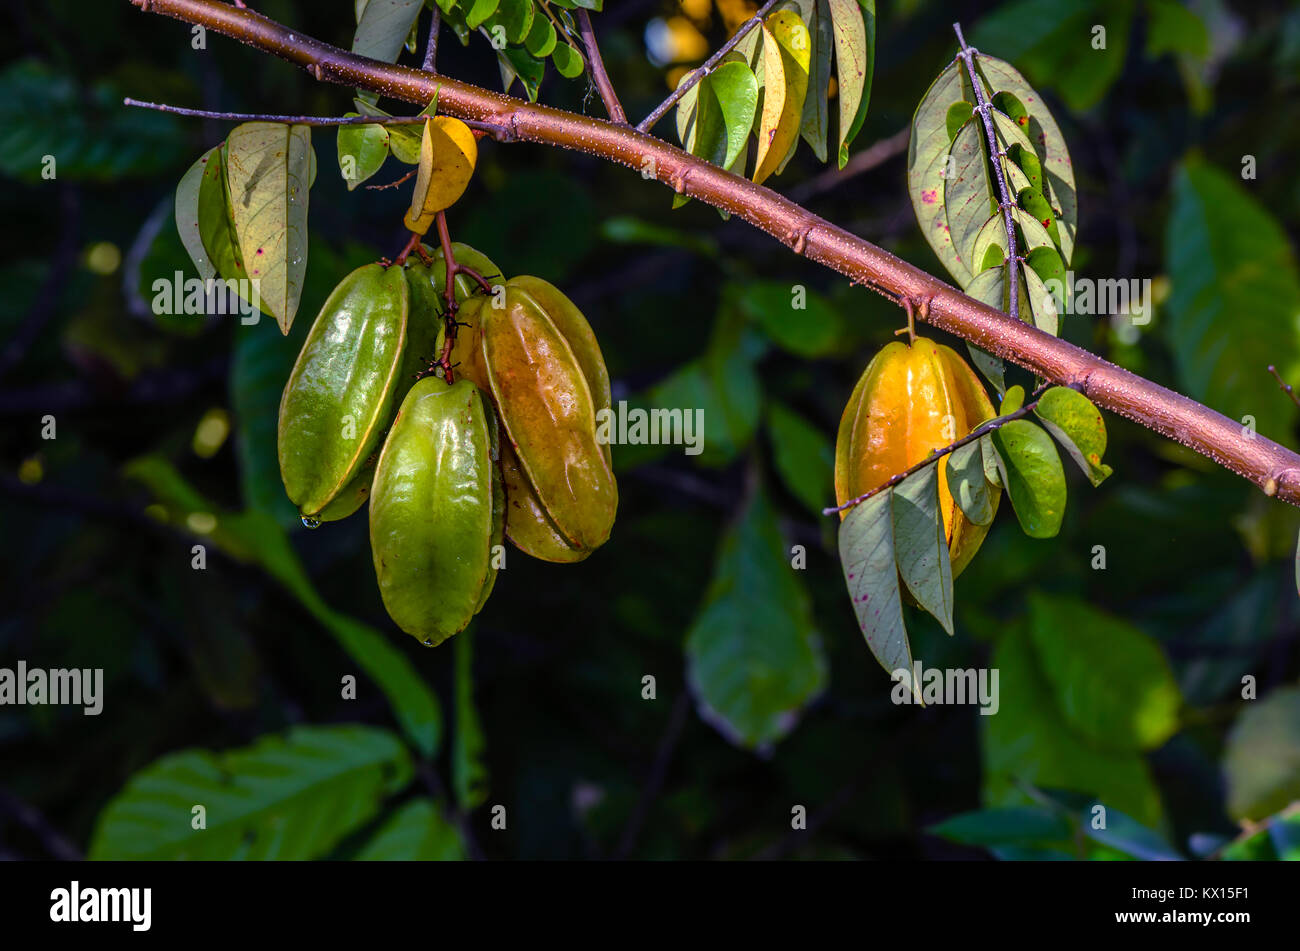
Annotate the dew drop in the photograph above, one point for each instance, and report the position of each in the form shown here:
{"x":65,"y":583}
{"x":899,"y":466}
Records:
{"x":309,"y":522}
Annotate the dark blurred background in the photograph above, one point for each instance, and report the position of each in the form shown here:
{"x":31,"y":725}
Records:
{"x":165,"y":438}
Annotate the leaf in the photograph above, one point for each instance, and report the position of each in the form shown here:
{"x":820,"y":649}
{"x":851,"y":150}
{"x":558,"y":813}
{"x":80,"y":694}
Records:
{"x":516,"y":63}
{"x":267,"y":167}
{"x":568,"y":61}
{"x":404,"y":141}
{"x":814,"y":124}
{"x":786,"y":50}
{"x":804,"y":457}
{"x":1112,"y":681}
{"x":968,"y":194}
{"x":1262,"y":758}
{"x":844,"y":66}
{"x":287,"y":798}
{"x":867,"y":555}
{"x":362,"y":151}
{"x":812,"y":330}
{"x":469,"y":775}
{"x":541,"y":37}
{"x":417,"y":832}
{"x":477,"y":12}
{"x":920,"y":546}
{"x":753,"y":657}
{"x":254,"y":537}
{"x":189,"y":214}
{"x":854,"y":51}
{"x":383,"y":27}
{"x":1234,"y":298}
{"x":1028,"y":742}
{"x":966,"y":481}
{"x":1125,"y":834}
{"x":1045,"y":135}
{"x":1031,"y":473}
{"x":448,"y":154}
{"x":735,"y":91}
{"x":1016,"y":825}
{"x":1077,"y":425}
{"x":927,"y":161}
{"x":516,"y":17}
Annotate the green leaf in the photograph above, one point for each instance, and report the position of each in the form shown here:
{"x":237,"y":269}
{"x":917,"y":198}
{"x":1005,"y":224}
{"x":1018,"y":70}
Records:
{"x":383,"y":27}
{"x":927,"y":162}
{"x":920,"y":548}
{"x":1031,"y":472}
{"x":568,"y":61}
{"x":853,"y":54}
{"x":403,"y":140}
{"x":1078,"y":426}
{"x":255,"y":538}
{"x":189,"y":213}
{"x":362,"y":150}
{"x":734,"y":90}
{"x":477,"y":12}
{"x":1112,"y":682}
{"x":469,"y":776}
{"x":845,"y":60}
{"x":52,"y":125}
{"x":753,"y":657}
{"x":813,"y":329}
{"x":541,"y":37}
{"x":266,"y":170}
{"x":1125,"y":834}
{"x":814,"y":124}
{"x":1028,"y":742}
{"x":1045,"y":135}
{"x":1234,"y":298}
{"x":1016,"y":825}
{"x":417,"y":832}
{"x":1262,"y":759}
{"x":804,"y":457}
{"x":1173,"y":28}
{"x":518,"y":63}
{"x":517,"y":18}
{"x":287,"y":798}
{"x":870,"y":569}
{"x":967,"y":483}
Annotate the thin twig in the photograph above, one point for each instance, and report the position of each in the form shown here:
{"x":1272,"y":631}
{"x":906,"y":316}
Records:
{"x":498,"y":132}
{"x":936,"y":455}
{"x":685,"y":85}
{"x":876,"y":154}
{"x":598,"y":74}
{"x":404,"y":178}
{"x":1286,"y":387}
{"x":658,"y":772}
{"x":995,"y":158}
{"x":431,"y":47}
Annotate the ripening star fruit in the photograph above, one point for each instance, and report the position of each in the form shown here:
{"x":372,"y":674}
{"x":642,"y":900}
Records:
{"x":912,"y":399}
{"x":376,"y":330}
{"x":538,"y":358}
{"x":436,"y":509}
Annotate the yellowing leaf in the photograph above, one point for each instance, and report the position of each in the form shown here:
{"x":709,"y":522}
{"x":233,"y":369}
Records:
{"x":447,"y":156}
{"x":267,"y":170}
{"x":787,"y":47}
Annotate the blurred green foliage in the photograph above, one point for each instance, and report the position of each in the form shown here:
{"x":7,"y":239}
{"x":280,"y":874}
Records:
{"x":1121,"y":643}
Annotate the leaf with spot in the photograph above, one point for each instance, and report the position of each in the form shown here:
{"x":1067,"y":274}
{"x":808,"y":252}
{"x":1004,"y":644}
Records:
{"x":786,"y":50}
{"x":1078,"y":426}
{"x":267,"y":169}
{"x":853,"y":23}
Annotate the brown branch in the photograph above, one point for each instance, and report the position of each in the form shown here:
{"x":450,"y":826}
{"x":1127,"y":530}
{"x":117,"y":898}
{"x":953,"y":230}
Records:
{"x":691,"y":79}
{"x":1273,"y":467}
{"x":1286,"y":387}
{"x":598,"y":74}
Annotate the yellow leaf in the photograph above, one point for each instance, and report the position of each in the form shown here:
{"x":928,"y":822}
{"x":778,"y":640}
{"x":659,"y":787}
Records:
{"x":448,"y":153}
{"x":787,"y":49}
